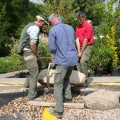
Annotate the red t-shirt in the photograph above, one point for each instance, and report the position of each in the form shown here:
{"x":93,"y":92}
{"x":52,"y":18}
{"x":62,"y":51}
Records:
{"x":85,"y":31}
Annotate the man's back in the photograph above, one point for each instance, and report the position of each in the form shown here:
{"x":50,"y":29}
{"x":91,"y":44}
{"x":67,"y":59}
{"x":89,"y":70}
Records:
{"x":63,"y":44}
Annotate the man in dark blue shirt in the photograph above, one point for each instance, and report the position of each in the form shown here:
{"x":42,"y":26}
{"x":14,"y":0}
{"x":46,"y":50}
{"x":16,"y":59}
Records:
{"x":62,"y":45}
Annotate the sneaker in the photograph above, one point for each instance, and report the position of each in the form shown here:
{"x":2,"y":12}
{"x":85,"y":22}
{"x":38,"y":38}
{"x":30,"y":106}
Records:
{"x":67,"y":100}
{"x":57,"y":114}
{"x":37,"y":99}
{"x":86,"y":83}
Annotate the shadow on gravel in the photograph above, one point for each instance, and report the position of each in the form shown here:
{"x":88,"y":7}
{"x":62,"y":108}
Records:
{"x":5,"y":98}
{"x":17,"y":116}
{"x":19,"y":75}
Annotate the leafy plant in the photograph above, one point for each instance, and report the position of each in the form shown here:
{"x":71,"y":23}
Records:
{"x":4,"y":37}
{"x":11,"y":63}
{"x":101,"y":56}
{"x":110,"y":39}
{"x":45,"y":56}
{"x":72,"y":21}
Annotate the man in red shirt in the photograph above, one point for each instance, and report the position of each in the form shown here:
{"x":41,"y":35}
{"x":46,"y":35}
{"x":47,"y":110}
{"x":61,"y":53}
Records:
{"x":84,"y":42}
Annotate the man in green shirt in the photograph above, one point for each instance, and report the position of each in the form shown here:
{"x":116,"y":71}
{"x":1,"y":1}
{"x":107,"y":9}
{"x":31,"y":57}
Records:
{"x":28,"y":48}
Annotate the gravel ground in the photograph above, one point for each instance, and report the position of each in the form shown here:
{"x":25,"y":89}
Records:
{"x":21,"y":106}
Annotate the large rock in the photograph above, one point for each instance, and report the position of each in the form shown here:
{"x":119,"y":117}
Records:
{"x":102,"y":100}
{"x":76,"y":77}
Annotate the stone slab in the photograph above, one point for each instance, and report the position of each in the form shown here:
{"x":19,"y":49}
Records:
{"x":41,"y":103}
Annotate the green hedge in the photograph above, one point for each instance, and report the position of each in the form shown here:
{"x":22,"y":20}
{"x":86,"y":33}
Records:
{"x":15,"y":62}
{"x":11,"y":63}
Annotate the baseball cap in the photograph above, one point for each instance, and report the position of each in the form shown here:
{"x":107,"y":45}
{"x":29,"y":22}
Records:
{"x":41,"y":17}
{"x":52,"y":16}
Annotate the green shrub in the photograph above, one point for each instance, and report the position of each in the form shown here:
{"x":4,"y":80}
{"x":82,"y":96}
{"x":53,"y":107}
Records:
{"x":4,"y":45}
{"x":45,"y":56}
{"x":11,"y":63}
{"x":101,"y":56}
{"x":14,"y":62}
{"x":72,"y":21}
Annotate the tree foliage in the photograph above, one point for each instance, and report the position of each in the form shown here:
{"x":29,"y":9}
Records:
{"x":4,"y":26}
{"x":65,"y":8}
{"x":14,"y":14}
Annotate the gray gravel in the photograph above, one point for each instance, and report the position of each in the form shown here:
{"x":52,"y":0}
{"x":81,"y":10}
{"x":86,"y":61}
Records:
{"x":20,"y":105}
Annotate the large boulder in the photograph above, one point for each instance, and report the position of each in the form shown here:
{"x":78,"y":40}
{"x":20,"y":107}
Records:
{"x":102,"y":100}
{"x":76,"y":77}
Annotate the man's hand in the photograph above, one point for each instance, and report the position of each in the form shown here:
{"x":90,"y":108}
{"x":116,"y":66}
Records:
{"x":80,"y":53}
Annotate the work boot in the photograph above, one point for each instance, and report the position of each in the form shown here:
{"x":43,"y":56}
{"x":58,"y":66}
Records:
{"x":67,"y":100}
{"x":85,"y":83}
{"x":56,"y":114}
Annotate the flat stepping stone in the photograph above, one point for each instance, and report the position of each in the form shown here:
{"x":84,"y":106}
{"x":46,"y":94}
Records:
{"x":52,"y":104}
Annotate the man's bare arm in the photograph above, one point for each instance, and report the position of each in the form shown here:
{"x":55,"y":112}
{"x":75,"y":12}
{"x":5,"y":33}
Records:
{"x":84,"y":44}
{"x":78,"y":45}
{"x":34,"y":49}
